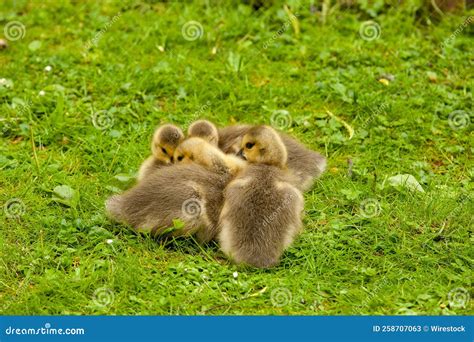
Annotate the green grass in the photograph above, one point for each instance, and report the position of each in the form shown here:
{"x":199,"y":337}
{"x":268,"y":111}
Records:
{"x":405,"y":259}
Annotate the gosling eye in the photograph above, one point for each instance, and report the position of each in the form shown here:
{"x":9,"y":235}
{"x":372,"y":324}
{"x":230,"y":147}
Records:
{"x":180,"y":158}
{"x":164,"y":151}
{"x":249,"y":145}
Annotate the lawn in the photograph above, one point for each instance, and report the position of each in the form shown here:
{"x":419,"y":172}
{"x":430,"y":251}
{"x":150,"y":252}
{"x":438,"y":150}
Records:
{"x":380,"y":91}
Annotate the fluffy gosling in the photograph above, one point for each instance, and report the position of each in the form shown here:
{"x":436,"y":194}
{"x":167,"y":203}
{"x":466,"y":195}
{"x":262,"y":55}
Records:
{"x":163,"y":144}
{"x":305,"y":164}
{"x":205,"y":130}
{"x":262,"y":208}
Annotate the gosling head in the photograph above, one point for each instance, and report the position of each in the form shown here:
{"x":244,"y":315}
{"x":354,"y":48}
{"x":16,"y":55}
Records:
{"x":205,"y":130}
{"x":164,"y":142}
{"x":263,"y":145}
{"x":185,"y":152}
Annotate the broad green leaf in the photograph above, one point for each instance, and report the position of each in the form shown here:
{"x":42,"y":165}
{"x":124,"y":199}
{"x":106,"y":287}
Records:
{"x":35,"y":45}
{"x":405,"y":181}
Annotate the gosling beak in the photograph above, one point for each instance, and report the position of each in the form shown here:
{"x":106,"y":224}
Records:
{"x":171,"y":159}
{"x":241,"y":154}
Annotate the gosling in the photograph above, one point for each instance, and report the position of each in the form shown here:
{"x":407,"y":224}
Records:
{"x":200,"y":151}
{"x":305,"y":164}
{"x":164,"y":142}
{"x":187,"y":192}
{"x":205,"y":130}
{"x":262,"y":208}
